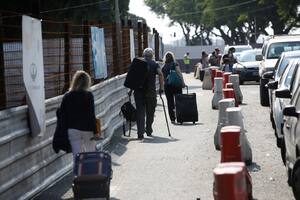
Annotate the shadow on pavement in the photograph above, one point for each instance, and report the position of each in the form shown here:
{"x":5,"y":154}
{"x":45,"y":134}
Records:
{"x":159,"y":140}
{"x":254,"y":167}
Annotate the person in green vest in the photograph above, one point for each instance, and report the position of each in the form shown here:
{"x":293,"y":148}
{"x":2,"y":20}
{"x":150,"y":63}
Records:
{"x":186,"y":62}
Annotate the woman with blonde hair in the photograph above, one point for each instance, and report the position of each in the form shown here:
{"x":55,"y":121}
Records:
{"x":170,"y":90}
{"x":78,"y":114}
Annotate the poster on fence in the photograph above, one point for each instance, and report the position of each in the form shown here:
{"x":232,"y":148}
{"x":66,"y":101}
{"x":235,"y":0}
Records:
{"x":132,"y":48}
{"x":33,"y":74}
{"x":99,"y":55}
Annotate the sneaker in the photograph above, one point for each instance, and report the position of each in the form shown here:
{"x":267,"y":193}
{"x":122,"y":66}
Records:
{"x":149,"y":134}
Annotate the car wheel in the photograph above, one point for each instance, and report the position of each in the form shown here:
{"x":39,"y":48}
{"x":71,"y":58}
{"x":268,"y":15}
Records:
{"x":296,"y":179}
{"x":264,"y":94}
{"x":282,"y":151}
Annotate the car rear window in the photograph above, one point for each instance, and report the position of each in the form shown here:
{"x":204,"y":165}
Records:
{"x":276,"y":49}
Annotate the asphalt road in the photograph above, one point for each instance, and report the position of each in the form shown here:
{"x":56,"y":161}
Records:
{"x":181,"y":167}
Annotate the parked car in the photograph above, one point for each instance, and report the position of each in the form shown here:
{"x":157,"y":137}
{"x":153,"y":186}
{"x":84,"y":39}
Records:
{"x":238,"y":49}
{"x":271,"y":51}
{"x":284,"y":84}
{"x":280,"y":66}
{"x":291,"y":130}
{"x":247,"y":66}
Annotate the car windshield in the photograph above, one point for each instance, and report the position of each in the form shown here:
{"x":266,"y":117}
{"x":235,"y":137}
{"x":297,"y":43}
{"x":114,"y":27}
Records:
{"x":240,"y":49}
{"x":285,"y":61}
{"x":248,"y":56}
{"x":276,"y":49}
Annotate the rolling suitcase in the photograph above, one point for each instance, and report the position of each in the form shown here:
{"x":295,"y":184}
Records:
{"x":137,"y":74}
{"x":186,"y":107}
{"x":93,"y":173}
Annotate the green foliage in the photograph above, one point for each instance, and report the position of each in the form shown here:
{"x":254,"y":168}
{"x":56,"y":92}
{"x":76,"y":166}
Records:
{"x":236,"y":21}
{"x":104,"y":10}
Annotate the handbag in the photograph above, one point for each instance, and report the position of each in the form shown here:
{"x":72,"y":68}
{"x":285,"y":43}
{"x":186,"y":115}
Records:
{"x":173,"y":79}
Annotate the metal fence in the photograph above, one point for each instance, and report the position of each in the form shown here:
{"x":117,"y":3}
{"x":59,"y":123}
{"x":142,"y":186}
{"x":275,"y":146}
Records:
{"x":66,"y":48}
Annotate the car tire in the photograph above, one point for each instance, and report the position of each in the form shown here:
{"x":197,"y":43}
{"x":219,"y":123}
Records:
{"x":296,"y":179}
{"x":283,"y":151}
{"x":264,"y":94}
{"x":272,"y":121}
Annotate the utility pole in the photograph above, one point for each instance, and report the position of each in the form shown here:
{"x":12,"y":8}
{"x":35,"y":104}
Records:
{"x":255,"y":29}
{"x":118,"y":38}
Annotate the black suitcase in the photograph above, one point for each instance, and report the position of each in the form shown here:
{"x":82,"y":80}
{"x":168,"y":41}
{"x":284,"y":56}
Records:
{"x":202,"y":72}
{"x":93,"y":174}
{"x":137,"y":74}
{"x":186,"y":107}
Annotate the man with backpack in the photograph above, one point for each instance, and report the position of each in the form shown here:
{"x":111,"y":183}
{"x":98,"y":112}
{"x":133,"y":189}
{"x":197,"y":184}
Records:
{"x":145,"y":98}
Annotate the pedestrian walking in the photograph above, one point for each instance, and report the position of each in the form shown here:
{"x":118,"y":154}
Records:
{"x":204,"y":60}
{"x":145,"y":98}
{"x":170,"y":89}
{"x":229,"y":60}
{"x":77,"y":114}
{"x":215,"y":58}
{"x":187,"y":62}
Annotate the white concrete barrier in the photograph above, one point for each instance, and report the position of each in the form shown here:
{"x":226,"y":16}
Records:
{"x":207,"y":84}
{"x":235,"y":80}
{"x":235,"y":118}
{"x":223,"y":120}
{"x":218,"y":94}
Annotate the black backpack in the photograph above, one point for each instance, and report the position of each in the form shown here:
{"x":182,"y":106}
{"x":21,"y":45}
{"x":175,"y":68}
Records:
{"x":137,"y":75}
{"x":128,"y":111}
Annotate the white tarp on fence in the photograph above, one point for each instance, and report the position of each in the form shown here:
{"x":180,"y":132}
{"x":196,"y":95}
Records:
{"x":33,"y":73}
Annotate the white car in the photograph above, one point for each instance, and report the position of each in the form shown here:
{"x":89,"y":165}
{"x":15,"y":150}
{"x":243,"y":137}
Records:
{"x":271,"y":51}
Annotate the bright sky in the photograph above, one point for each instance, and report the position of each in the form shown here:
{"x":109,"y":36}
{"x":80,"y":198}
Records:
{"x":139,"y":8}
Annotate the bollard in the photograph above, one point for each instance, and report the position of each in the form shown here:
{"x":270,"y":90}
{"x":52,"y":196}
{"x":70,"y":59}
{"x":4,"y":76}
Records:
{"x":226,"y":76}
{"x":219,"y":73}
{"x":222,"y":121}
{"x":213,"y":75}
{"x":232,"y":182}
{"x":218,"y":95}
{"x":230,"y":147}
{"x":229,"y":85}
{"x":235,"y":118}
{"x":235,"y":80}
{"x":207,"y":84}
{"x":229,"y":93}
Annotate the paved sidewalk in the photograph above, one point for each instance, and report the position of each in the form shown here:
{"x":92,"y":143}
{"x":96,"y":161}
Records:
{"x":180,"y":168}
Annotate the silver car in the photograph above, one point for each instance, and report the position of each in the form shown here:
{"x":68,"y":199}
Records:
{"x":285,"y":83}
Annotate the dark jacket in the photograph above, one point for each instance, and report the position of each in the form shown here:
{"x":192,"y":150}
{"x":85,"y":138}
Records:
{"x":60,"y":138}
{"x":76,"y":111}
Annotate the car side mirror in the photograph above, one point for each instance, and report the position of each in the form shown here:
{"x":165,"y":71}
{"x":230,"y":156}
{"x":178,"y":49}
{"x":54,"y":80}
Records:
{"x":290,"y":111}
{"x":258,"y":57}
{"x":268,"y":75}
{"x":283,"y":93}
{"x":273,"y":85}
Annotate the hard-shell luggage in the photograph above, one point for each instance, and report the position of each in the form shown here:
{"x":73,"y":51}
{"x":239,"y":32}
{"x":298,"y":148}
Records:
{"x":186,"y":107}
{"x":93,"y":173}
{"x":137,"y":74}
{"x":202,"y":72}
